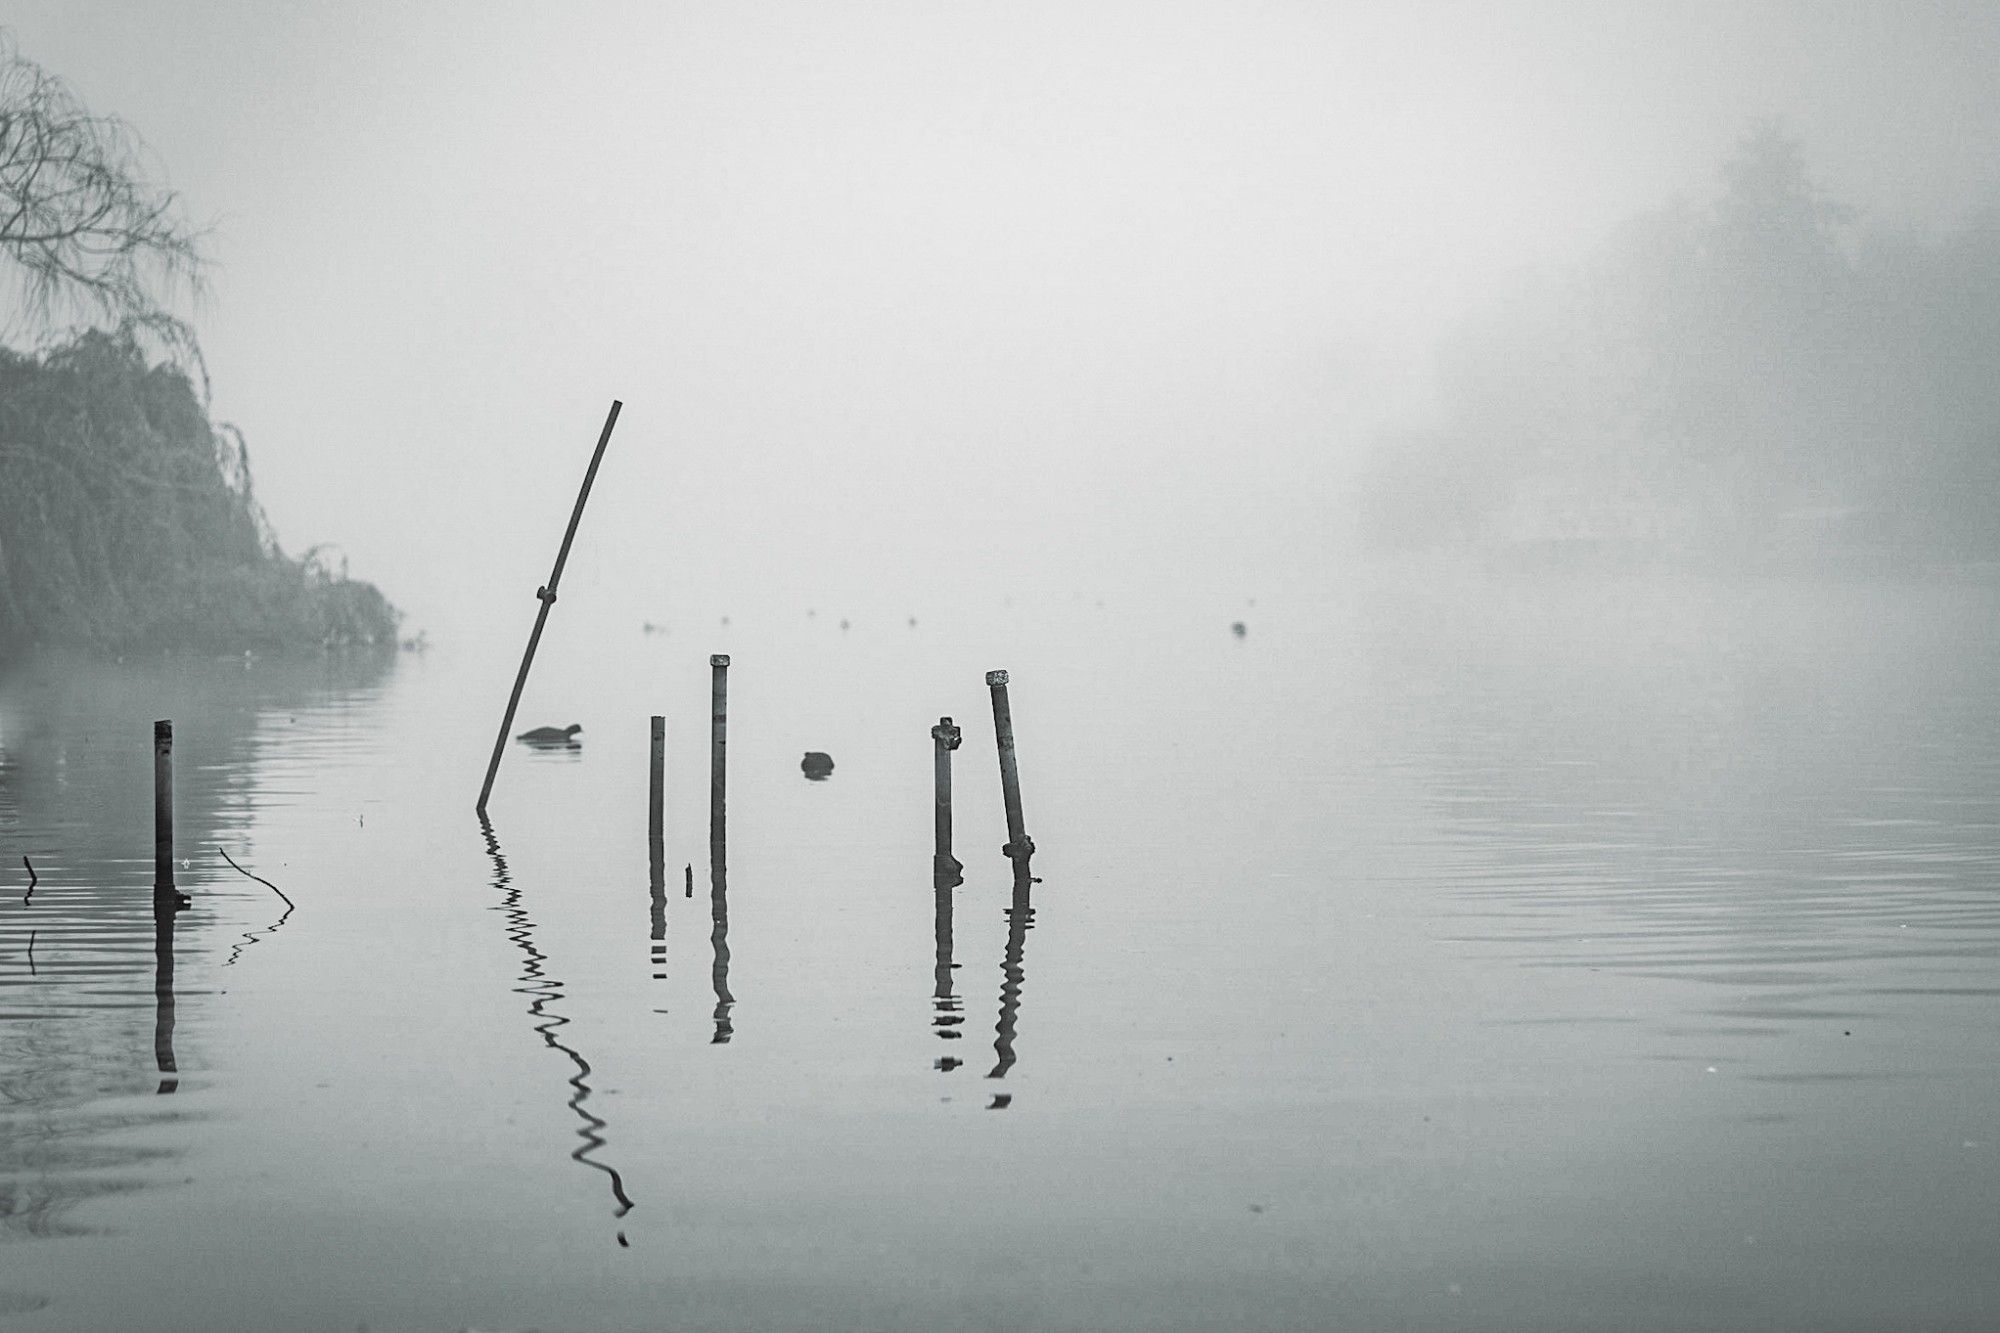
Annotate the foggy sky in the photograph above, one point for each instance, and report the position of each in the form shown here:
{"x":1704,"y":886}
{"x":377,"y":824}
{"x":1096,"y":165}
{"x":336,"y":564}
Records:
{"x":920,"y":300}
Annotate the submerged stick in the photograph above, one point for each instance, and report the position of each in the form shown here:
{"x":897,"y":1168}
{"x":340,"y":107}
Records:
{"x":259,"y":878}
{"x":547,"y":595}
{"x":33,"y":880}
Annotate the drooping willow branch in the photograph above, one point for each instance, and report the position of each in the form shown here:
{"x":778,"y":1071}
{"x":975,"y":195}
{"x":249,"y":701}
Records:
{"x":84,"y":229}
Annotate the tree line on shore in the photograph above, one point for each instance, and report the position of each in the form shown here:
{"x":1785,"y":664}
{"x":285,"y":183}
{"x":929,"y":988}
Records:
{"x":128,"y":520}
{"x":127,"y":516}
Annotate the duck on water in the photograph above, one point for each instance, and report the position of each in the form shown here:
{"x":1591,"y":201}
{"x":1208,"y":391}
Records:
{"x":552,"y":735}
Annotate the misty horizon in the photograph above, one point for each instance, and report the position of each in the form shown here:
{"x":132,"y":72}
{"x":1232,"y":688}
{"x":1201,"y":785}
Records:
{"x":931,"y":300}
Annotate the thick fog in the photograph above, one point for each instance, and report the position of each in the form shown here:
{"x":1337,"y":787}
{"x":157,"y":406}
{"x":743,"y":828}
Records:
{"x":917,"y":301}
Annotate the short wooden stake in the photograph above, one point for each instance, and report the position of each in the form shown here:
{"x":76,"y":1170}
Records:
{"x":656,"y":803}
{"x":1019,"y":845}
{"x":163,"y":805}
{"x":718,"y":760}
{"x":945,"y":867}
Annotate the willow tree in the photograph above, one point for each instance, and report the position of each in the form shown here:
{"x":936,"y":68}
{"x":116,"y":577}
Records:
{"x":127,"y":517}
{"x":84,"y":234}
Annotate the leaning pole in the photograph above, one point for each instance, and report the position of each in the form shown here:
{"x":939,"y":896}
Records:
{"x":546,"y":594}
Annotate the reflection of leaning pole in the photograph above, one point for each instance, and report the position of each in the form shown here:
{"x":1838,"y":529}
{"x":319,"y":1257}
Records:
{"x":1013,"y":971}
{"x":547,"y":595}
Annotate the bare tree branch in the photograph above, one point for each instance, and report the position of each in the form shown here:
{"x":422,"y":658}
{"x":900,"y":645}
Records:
{"x":85,"y":234}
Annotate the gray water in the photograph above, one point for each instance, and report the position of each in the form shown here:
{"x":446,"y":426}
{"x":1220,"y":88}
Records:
{"x":1579,"y":955}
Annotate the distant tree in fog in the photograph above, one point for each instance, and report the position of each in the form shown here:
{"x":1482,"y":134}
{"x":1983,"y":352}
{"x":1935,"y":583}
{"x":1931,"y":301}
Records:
{"x":1754,"y":377}
{"x":82,"y":229}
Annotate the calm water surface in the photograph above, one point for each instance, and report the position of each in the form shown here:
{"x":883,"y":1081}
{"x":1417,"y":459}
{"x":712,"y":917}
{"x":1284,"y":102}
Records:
{"x":1588,"y":955}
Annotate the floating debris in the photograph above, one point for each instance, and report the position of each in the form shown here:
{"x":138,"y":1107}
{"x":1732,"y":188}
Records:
{"x":259,"y":878}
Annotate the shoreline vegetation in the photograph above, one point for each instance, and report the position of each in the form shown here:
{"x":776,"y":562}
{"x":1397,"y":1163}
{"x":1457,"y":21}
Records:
{"x":127,"y":517}
{"x":128,"y":520}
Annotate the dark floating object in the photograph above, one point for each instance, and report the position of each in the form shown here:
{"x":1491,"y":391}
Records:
{"x":1238,"y":629}
{"x":817,"y":766}
{"x":843,"y":624}
{"x":552,"y":735}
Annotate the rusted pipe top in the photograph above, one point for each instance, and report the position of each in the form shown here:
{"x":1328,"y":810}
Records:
{"x":945,"y":734}
{"x":719,"y":659}
{"x":996,"y":678}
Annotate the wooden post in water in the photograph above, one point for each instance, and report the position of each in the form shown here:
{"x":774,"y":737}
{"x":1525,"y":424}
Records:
{"x":656,"y":858}
{"x":718,"y":758}
{"x":1019,"y":845}
{"x":163,"y":806}
{"x":656,"y":804}
{"x":547,"y":596}
{"x":945,"y":867}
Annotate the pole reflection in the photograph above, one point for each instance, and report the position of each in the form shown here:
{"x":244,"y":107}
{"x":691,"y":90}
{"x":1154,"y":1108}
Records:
{"x":1020,"y":920}
{"x":167,"y":905}
{"x":544,"y":991}
{"x":659,"y":921}
{"x":718,"y":901}
{"x":947,"y":1010}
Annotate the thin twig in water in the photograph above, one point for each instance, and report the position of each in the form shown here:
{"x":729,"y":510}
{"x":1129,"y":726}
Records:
{"x":259,"y":878}
{"x":33,"y":880}
{"x":31,"y":955}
